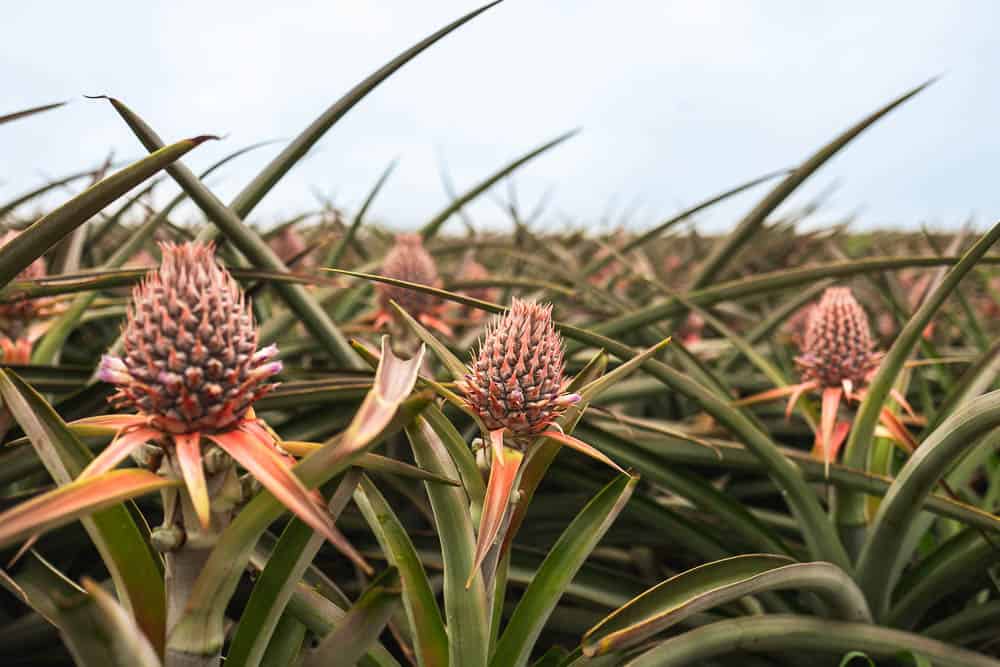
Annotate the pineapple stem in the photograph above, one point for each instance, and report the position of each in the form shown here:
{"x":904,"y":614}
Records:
{"x":185,"y":563}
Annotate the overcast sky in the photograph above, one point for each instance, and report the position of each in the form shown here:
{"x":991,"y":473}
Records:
{"x":677,"y":100}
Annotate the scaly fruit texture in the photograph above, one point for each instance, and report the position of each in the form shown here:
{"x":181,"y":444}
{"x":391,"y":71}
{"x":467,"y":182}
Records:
{"x":516,"y":381}
{"x":191,"y":361}
{"x":837,"y":346}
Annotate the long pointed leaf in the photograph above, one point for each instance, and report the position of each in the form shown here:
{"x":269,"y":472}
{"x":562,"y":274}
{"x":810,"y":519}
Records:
{"x":780,"y":635}
{"x":6,"y":118}
{"x":267,"y":466}
{"x":67,"y":503}
{"x":430,"y":639}
{"x":715,"y":584}
{"x":362,"y":625}
{"x":881,"y":559}
{"x":562,"y":563}
{"x":21,"y":251}
{"x":431,"y":228}
{"x":250,"y":244}
{"x":125,"y":549}
{"x":496,"y":503}
{"x":466,"y":612}
{"x":251,"y":195}
{"x":725,"y":250}
{"x":276,"y":584}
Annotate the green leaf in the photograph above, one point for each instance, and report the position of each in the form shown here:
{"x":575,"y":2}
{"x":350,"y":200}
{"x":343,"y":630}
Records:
{"x":430,"y":639}
{"x":718,"y":583}
{"x":780,"y":634}
{"x":247,"y":241}
{"x":7,"y":118}
{"x":431,"y":228}
{"x":53,"y":379}
{"x":321,"y":616}
{"x":286,"y":644}
{"x":466,"y":611}
{"x":733,"y":514}
{"x":461,"y":455}
{"x":882,"y":559}
{"x":20,"y":200}
{"x":135,"y":568}
{"x":294,"y":552}
{"x":977,"y":378}
{"x":913,"y":659}
{"x":95,"y":628}
{"x":938,"y":576}
{"x":679,"y":449}
{"x":33,"y":242}
{"x":257,"y":189}
{"x":337,"y":251}
{"x":453,"y":364}
{"x":745,"y":229}
{"x":362,"y":625}
{"x":599,"y":263}
{"x":855,"y":655}
{"x":557,"y":571}
{"x":99,"y":279}
{"x":126,"y":642}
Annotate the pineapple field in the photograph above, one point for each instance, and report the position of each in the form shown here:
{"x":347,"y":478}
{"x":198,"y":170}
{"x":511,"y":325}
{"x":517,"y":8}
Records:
{"x":331,"y":441}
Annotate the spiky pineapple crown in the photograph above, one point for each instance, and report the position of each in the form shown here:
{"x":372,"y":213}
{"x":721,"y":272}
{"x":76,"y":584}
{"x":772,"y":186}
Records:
{"x":837,"y":344}
{"x":16,"y":315}
{"x":516,"y":381}
{"x":191,"y":361}
{"x":408,"y":260}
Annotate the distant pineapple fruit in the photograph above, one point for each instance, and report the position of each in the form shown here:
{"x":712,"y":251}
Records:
{"x":408,"y":260}
{"x":473,"y":270}
{"x":16,"y":316}
{"x":837,"y":346}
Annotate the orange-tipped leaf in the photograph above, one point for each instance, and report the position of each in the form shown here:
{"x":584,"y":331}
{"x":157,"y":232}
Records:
{"x":80,"y":498}
{"x":503,"y":475}
{"x":118,"y":450}
{"x":271,"y":470}
{"x":188,"y":447}
{"x":583,"y":448}
{"x":828,"y":419}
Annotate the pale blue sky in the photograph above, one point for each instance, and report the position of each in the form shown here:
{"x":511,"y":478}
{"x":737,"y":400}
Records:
{"x":677,"y":100}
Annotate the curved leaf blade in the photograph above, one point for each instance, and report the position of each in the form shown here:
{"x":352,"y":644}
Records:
{"x":21,"y":251}
{"x":718,"y":583}
{"x":558,"y":569}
